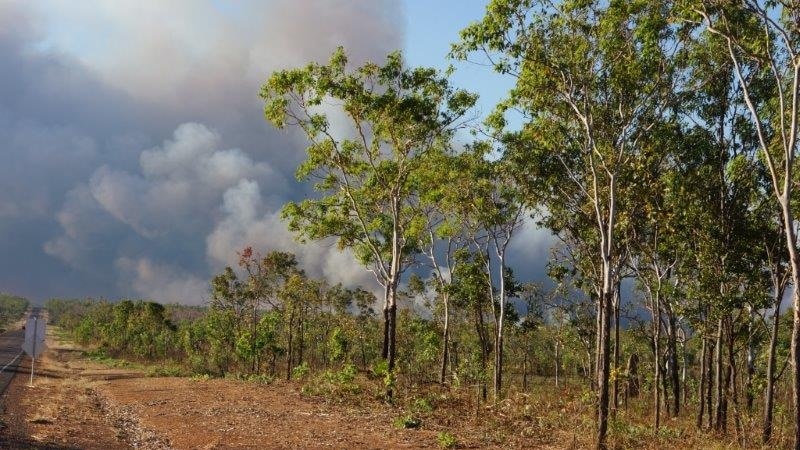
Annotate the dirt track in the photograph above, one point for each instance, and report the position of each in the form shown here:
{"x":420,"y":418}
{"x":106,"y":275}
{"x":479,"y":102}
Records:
{"x":79,"y":404}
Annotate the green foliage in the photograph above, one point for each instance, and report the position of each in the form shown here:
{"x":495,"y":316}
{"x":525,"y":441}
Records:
{"x":11,"y":308}
{"x":338,"y":345}
{"x":335,"y":385}
{"x":300,"y":372}
{"x":407,"y":421}
{"x":421,"y":406}
{"x":634,"y":145}
{"x":446,"y":440}
{"x":166,"y":371}
{"x":259,"y":378}
{"x":422,"y":342}
{"x":380,"y":368}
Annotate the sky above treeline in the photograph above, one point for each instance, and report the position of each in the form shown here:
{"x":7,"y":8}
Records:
{"x":135,"y":157}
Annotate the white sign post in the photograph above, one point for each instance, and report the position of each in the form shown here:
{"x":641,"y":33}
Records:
{"x":34,"y":341}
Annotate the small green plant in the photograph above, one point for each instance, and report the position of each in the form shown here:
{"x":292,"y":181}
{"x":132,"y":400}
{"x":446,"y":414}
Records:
{"x":165,"y":371}
{"x":389,"y":382}
{"x":347,"y":375}
{"x":407,"y":421}
{"x":300,"y":372}
{"x":669,"y":433}
{"x":446,"y":440}
{"x":422,"y":405}
{"x":102,"y":357}
{"x":334,"y":384}
{"x":380,"y":368}
{"x":260,"y":379}
{"x":201,"y":377}
{"x":588,"y":397}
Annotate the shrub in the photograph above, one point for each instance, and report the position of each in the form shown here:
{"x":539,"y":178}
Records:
{"x":300,"y":372}
{"x":407,"y":421}
{"x":446,"y":440}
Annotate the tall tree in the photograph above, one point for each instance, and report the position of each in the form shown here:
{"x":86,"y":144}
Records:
{"x":393,"y":116}
{"x":592,"y":78}
{"x":762,"y":39}
{"x":443,"y":187}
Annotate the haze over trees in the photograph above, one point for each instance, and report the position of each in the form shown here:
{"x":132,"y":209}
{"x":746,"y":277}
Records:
{"x":656,"y":141}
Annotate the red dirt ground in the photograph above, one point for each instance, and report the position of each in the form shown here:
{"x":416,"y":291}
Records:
{"x":81,"y":404}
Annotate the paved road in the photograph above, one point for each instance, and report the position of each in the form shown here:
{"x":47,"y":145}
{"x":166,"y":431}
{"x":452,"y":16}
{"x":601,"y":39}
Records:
{"x":11,"y":353}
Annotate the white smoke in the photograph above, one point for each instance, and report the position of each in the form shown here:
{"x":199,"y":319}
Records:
{"x":248,"y":223}
{"x":161,"y":282}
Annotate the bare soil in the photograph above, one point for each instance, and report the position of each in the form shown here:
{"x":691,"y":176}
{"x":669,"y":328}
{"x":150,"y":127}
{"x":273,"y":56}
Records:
{"x":220,"y":414}
{"x":76,"y":403}
{"x":60,"y":410}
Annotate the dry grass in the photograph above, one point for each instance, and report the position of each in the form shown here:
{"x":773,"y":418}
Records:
{"x":564,"y":418}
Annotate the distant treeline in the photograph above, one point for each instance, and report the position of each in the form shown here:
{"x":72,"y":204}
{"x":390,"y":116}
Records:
{"x":229,"y":337}
{"x":11,"y":309}
{"x":277,"y":322}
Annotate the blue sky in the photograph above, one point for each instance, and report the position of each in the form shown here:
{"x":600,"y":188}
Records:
{"x":432,"y":26}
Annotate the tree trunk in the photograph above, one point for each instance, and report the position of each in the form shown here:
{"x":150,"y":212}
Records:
{"x":603,"y":369}
{"x":606,"y":298}
{"x":558,"y":360}
{"x":385,"y":348}
{"x":632,"y":378}
{"x":702,"y":389}
{"x":656,"y":306}
{"x":253,"y":323}
{"x":289,"y":354}
{"x":498,"y":367}
{"x":597,"y":341}
{"x":710,"y":351}
{"x":300,"y":336}
{"x":498,"y":350}
{"x":525,"y":371}
{"x":734,"y":392}
{"x":684,"y":365}
{"x":673,"y":365}
{"x":391,"y":351}
{"x":719,"y":381}
{"x":363,"y":351}
{"x":665,"y":387}
{"x":794,"y":260}
{"x":483,"y":339}
{"x":751,"y":363}
{"x":390,"y":334}
{"x":445,"y":339}
{"x":615,"y":396}
{"x":392,"y":354}
{"x":769,"y":394}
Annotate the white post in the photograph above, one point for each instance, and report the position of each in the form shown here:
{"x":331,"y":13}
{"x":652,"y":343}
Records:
{"x":33,"y":358}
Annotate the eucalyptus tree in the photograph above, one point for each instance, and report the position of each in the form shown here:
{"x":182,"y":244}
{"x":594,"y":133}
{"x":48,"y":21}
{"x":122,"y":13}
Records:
{"x":654,"y":255}
{"x":591,"y":79}
{"x":297,"y":295}
{"x":445,"y":233}
{"x":497,"y":206}
{"x":364,"y":172}
{"x":471,"y":203}
{"x":265,"y":275}
{"x":779,"y":276}
{"x":712,"y":114}
{"x":762,"y":39}
{"x":502,"y":215}
{"x":469,"y":289}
